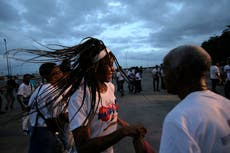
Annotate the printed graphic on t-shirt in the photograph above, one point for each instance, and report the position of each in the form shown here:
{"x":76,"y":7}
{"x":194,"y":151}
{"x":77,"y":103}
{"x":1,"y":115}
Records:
{"x":106,"y":113}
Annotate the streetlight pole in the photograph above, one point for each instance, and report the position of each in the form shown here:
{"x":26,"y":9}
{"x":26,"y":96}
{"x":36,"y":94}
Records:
{"x":7,"y":60}
{"x":126,"y":59}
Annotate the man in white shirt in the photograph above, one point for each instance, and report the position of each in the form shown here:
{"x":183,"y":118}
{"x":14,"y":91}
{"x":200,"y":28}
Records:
{"x":120,"y":82}
{"x":227,"y":81}
{"x":156,"y":78}
{"x":200,"y":123}
{"x":25,"y":90}
{"x":214,"y":75}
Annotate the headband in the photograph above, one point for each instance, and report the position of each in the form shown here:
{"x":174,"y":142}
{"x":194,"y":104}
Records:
{"x":101,"y":55}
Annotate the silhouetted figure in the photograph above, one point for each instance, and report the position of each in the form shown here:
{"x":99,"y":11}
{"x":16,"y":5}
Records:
{"x":156,"y":78}
{"x":11,"y":86}
{"x":214,"y":75}
{"x":227,"y":80}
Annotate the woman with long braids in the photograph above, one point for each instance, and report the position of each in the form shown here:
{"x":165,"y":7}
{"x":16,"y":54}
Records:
{"x":92,"y":107}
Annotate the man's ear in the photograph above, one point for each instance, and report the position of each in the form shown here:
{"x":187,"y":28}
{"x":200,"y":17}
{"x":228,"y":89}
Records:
{"x":180,"y":73}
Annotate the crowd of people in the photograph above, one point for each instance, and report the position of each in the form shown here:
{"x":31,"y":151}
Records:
{"x":134,"y":75}
{"x":220,"y":75}
{"x":16,"y":90}
{"x":75,"y":108}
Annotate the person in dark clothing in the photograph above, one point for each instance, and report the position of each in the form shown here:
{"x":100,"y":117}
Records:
{"x":156,"y":78}
{"x":11,"y":85}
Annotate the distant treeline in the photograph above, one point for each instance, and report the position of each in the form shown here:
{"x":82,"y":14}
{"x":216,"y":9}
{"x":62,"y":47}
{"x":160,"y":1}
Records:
{"x":219,"y":46}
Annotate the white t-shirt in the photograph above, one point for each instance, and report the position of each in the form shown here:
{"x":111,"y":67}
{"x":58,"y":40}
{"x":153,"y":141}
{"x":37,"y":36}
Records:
{"x":42,"y":96}
{"x":200,"y":123}
{"x":156,"y":73}
{"x":97,"y":125}
{"x":227,"y":70}
{"x":138,"y":76}
{"x":25,"y":90}
{"x":214,"y":71}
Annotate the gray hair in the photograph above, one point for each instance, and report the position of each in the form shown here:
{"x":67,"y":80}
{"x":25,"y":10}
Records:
{"x":190,"y":57}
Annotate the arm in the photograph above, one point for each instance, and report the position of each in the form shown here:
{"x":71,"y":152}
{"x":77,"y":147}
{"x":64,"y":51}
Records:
{"x":140,"y":145}
{"x":85,"y":144}
{"x":121,"y":122}
{"x":19,"y":98}
{"x":82,"y":134}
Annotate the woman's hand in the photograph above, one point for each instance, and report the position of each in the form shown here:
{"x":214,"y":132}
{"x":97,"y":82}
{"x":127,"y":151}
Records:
{"x":122,"y":122}
{"x":132,"y":130}
{"x":135,"y":131}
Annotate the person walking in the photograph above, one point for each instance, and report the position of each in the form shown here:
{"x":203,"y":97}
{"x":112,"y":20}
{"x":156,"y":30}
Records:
{"x":227,"y":80}
{"x":120,"y":82}
{"x":156,"y":78}
{"x":25,"y":90}
{"x":162,"y":77}
{"x":11,"y":86}
{"x":138,"y":78}
{"x":214,"y":75}
{"x":132,"y":81}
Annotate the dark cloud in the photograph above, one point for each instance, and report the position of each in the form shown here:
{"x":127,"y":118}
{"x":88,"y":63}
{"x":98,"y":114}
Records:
{"x":139,"y":30}
{"x":8,"y":13}
{"x":193,"y":20}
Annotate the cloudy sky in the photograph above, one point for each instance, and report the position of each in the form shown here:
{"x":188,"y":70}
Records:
{"x":139,"y":32}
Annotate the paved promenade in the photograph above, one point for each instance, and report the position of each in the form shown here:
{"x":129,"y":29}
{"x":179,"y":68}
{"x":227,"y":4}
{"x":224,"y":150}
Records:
{"x":147,"y":108}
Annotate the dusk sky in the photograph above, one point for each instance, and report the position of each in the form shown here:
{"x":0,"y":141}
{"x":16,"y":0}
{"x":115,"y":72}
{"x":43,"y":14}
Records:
{"x":139,"y":32}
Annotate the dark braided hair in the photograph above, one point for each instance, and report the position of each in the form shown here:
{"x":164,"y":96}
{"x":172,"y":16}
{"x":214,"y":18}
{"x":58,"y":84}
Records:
{"x":83,"y":68}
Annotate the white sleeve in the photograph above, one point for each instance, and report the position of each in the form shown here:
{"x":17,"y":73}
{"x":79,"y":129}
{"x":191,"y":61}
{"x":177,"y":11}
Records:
{"x":33,"y":96}
{"x":225,"y":68}
{"x":45,"y":101}
{"x":76,"y":116}
{"x":20,"y":89}
{"x":177,"y":138}
{"x":153,"y":71}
